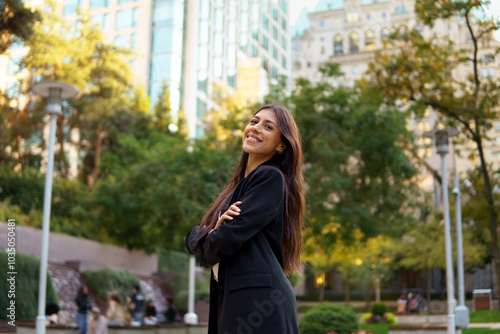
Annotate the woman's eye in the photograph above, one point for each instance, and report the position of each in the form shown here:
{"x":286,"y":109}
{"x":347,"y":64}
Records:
{"x":268,"y":127}
{"x":253,"y":121}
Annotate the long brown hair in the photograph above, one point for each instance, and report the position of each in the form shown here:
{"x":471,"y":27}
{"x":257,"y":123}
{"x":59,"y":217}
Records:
{"x":290,"y":164}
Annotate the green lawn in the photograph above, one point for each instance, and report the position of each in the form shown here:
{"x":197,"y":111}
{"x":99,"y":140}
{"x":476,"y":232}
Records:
{"x":475,"y":317}
{"x":384,"y":329}
{"x":485,"y":316}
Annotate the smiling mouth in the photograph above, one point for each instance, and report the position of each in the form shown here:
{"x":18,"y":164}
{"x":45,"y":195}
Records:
{"x":253,"y":139}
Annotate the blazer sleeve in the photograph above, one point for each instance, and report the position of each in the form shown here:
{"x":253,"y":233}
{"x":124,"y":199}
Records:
{"x":195,"y":239}
{"x":260,"y":203}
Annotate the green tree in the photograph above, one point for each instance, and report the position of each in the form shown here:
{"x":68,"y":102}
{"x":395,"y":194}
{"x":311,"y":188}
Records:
{"x":156,"y":189}
{"x":16,"y":22}
{"x":423,"y":74}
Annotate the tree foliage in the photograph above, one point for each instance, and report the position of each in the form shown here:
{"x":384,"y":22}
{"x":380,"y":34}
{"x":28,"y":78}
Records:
{"x":424,"y":73}
{"x":16,"y":22}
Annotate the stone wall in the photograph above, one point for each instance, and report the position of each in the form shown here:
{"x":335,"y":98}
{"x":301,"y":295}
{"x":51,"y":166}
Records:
{"x":81,"y":254}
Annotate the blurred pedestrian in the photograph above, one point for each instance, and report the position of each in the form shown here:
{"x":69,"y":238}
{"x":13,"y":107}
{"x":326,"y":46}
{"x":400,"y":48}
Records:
{"x":137,"y":298}
{"x":98,"y":323}
{"x":115,"y":312}
{"x":83,"y":306}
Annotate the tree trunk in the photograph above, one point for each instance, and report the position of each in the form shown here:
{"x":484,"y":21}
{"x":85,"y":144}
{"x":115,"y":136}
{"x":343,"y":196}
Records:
{"x":492,"y":214}
{"x":322,"y":293}
{"x":347,"y":292}
{"x":62,"y":157}
{"x":97,"y":157}
{"x":428,"y":286}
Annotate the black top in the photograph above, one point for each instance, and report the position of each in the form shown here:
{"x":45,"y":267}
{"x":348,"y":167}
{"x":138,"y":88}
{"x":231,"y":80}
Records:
{"x":252,"y":294}
{"x":83,"y":304}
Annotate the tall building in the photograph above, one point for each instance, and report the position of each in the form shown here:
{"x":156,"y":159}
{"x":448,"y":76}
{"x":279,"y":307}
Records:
{"x":190,"y":45}
{"x":349,"y":32}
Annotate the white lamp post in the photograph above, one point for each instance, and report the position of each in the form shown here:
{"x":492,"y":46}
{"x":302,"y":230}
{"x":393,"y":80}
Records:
{"x":462,"y":311}
{"x":55,"y":92}
{"x":441,"y":138}
{"x":191,"y":318}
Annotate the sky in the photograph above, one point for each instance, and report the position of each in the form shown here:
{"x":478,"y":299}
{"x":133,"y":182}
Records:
{"x":296,"y":7}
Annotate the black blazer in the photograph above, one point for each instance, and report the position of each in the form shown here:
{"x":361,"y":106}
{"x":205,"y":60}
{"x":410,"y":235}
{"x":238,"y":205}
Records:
{"x":253,"y":294}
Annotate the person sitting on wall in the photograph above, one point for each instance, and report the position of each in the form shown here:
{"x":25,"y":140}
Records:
{"x":98,"y":323}
{"x":115,"y":313}
{"x":150,"y":314}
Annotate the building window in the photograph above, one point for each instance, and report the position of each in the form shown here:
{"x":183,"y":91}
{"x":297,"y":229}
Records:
{"x":283,"y":6}
{"x":283,"y":42}
{"x":353,"y":42}
{"x":219,"y":20}
{"x":202,"y":82}
{"x":217,"y":67}
{"x":102,"y":20}
{"x":497,"y":141}
{"x":201,"y":108}
{"x":255,"y":52}
{"x":231,"y":56}
{"x":275,"y":53}
{"x":126,"y":41}
{"x":243,"y":41}
{"x":355,"y":70}
{"x":274,"y":72}
{"x":162,"y":41}
{"x":353,"y":17}
{"x":338,"y":47}
{"x":204,"y":8}
{"x":231,"y":78}
{"x":255,"y":12}
{"x":488,"y":58}
{"x":94,"y":4}
{"x":255,"y":31}
{"x":284,"y":63}
{"x":217,"y":47}
{"x":369,"y":41}
{"x":204,"y":32}
{"x":283,"y":24}
{"x":265,"y":42}
{"x":497,"y":126}
{"x":163,"y":13}
{"x":160,"y":67}
{"x":265,"y":23}
{"x":126,"y":18}
{"x":124,"y":1}
{"x":275,"y":13}
{"x":275,"y":33}
{"x":70,"y":6}
{"x":244,"y":22}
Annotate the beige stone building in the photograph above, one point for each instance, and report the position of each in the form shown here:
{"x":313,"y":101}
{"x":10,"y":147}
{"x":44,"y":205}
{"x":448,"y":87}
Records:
{"x":350,"y":32}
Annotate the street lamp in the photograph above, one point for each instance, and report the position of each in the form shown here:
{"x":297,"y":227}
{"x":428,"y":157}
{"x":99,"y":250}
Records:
{"x":191,"y":318}
{"x":461,"y":312}
{"x":441,"y":138}
{"x":55,"y":92}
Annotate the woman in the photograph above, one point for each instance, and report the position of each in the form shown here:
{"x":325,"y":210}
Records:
{"x":83,"y":306}
{"x":115,"y":313}
{"x":251,"y":235}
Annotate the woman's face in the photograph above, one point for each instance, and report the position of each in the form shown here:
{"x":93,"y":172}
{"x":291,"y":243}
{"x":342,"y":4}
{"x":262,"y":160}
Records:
{"x":262,"y":136}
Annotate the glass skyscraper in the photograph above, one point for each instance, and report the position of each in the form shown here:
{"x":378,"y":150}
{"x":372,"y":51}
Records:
{"x":192,"y":45}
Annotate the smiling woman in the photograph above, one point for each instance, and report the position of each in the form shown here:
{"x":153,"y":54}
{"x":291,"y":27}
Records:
{"x":251,"y":235}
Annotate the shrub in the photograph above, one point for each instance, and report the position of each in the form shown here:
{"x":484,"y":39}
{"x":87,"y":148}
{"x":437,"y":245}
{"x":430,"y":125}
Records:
{"x":25,"y":188}
{"x":180,"y":283}
{"x":379,"y":308}
{"x":390,"y":318}
{"x":327,"y":318}
{"x":105,"y":280}
{"x":173,"y":261}
{"x":26,"y":293}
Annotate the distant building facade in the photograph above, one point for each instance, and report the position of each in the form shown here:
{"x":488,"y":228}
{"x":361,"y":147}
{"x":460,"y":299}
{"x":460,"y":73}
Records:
{"x":350,"y":33}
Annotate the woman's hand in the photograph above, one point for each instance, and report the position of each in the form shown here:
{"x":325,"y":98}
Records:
{"x":233,"y":210}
